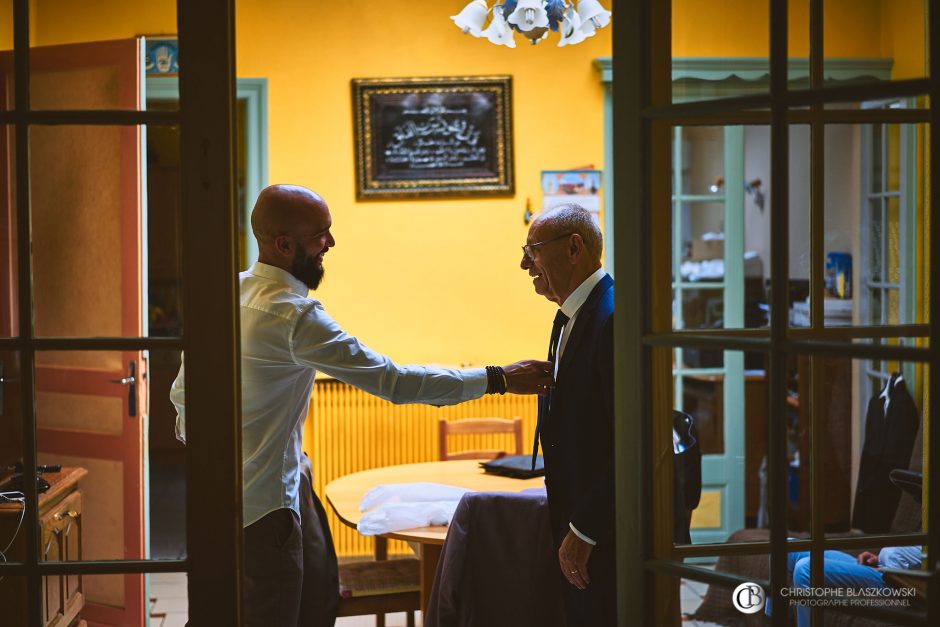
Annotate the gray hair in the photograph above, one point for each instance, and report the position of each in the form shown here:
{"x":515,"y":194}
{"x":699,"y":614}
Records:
{"x":571,"y":217}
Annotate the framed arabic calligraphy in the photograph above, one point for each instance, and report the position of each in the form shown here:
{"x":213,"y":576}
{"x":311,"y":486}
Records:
{"x":418,"y":137}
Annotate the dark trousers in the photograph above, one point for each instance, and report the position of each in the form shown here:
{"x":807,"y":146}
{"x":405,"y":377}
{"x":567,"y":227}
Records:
{"x":274,"y":570}
{"x":320,"y":597}
{"x":291,"y":574}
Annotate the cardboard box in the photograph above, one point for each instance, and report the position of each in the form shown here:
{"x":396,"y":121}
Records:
{"x":707,"y":249}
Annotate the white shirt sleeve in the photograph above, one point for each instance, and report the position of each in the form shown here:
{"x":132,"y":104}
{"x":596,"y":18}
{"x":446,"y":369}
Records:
{"x":318,"y":341}
{"x":582,"y":536}
{"x":178,"y":398}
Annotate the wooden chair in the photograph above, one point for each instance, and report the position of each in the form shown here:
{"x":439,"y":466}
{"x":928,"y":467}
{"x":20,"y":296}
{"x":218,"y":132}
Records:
{"x":380,"y":586}
{"x":479,"y":426}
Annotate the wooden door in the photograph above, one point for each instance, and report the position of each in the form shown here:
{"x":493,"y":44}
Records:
{"x":87,"y":268}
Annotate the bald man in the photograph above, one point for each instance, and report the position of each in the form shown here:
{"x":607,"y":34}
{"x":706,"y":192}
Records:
{"x":286,"y":336}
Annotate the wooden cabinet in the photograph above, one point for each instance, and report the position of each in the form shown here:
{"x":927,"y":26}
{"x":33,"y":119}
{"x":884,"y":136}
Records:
{"x":60,"y":523}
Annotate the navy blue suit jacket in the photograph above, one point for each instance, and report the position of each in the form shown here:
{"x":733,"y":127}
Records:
{"x":577,"y":431}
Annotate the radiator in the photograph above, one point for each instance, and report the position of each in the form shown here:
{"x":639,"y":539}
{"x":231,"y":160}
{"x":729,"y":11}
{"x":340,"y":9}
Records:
{"x":348,"y":430}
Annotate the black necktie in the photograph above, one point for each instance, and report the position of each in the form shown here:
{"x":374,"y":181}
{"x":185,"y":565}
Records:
{"x":546,"y":401}
{"x":560,"y":321}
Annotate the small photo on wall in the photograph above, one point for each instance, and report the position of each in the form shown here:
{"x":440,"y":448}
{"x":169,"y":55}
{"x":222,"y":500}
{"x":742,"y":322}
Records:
{"x":578,"y":186}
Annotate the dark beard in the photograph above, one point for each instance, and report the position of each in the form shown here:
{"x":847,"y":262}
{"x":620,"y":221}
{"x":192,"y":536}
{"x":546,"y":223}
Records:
{"x":307,"y":270}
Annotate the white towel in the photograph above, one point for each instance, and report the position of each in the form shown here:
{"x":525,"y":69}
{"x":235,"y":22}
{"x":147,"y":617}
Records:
{"x":410,"y":493}
{"x":397,"y":506}
{"x":397,"y":516}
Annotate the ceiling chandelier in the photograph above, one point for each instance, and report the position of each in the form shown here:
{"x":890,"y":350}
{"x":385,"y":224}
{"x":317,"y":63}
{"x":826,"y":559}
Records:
{"x":534,"y":19}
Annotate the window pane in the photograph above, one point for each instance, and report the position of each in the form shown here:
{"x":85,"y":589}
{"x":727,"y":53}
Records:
{"x":100,"y":75}
{"x":798,"y":43}
{"x":691,"y":596}
{"x":106,"y":418}
{"x":164,"y":267}
{"x":172,"y":596}
{"x":13,"y":591}
{"x":167,"y":462}
{"x":11,"y":480}
{"x":875,"y":447}
{"x":712,"y":603}
{"x":11,"y":420}
{"x":100,"y":266}
{"x":728,"y":406}
{"x":6,"y":55}
{"x":104,"y":73}
{"x":889,"y":36}
{"x":874,"y":269}
{"x":9,"y":278}
{"x":702,"y":309}
{"x":108,"y":589}
{"x":719,"y":203}
{"x":720,"y":48}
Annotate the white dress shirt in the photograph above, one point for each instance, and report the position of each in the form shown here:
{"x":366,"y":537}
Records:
{"x":570,"y":308}
{"x":286,"y":336}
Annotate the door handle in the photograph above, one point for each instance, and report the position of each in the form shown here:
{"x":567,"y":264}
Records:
{"x":131,"y":382}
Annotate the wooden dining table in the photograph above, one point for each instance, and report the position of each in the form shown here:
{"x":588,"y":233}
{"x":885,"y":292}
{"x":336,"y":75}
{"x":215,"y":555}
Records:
{"x":345,"y":493}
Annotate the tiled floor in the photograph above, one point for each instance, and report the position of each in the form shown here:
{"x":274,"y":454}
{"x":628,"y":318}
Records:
{"x":169,"y":608}
{"x":691,"y":594}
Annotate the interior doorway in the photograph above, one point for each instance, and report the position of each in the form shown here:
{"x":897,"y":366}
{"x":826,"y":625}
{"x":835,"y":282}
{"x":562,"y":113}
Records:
{"x":167,"y":470}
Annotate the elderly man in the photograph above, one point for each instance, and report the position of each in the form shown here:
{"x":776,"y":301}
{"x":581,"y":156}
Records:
{"x":286,"y":336}
{"x":576,"y":419}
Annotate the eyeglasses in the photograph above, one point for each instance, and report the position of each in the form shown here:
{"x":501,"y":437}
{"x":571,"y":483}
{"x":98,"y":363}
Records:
{"x":529,"y":249}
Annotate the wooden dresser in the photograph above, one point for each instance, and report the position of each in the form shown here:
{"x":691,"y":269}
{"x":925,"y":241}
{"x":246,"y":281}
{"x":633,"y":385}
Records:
{"x":60,"y":520}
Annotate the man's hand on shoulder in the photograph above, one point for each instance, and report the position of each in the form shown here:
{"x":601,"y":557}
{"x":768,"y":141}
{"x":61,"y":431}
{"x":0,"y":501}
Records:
{"x":529,"y":376}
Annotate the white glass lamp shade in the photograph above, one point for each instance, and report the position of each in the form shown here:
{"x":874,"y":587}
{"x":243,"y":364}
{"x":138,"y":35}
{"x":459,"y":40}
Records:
{"x":529,"y":15}
{"x":593,"y":16}
{"x":570,"y":29}
{"x":536,"y":34}
{"x":470,"y":19}
{"x":498,"y":32}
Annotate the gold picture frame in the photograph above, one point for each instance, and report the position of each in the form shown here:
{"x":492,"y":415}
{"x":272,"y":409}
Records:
{"x":433,"y":137}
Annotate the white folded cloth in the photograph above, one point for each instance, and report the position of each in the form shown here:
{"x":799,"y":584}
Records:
{"x":407,"y":505}
{"x":397,"y":516}
{"x":410,"y":492}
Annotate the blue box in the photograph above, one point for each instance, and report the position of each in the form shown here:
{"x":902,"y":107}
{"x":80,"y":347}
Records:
{"x":838,"y":277}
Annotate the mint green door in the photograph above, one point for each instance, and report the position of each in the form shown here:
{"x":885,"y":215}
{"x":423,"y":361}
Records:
{"x":708,"y":292}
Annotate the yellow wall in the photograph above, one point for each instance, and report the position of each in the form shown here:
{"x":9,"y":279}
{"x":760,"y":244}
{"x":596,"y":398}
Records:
{"x":438,"y":280}
{"x":422,"y":280}
{"x":852,"y":28}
